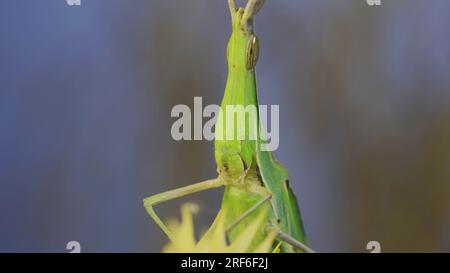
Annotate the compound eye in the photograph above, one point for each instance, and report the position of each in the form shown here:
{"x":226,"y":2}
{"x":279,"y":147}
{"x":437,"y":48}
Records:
{"x":252,"y":52}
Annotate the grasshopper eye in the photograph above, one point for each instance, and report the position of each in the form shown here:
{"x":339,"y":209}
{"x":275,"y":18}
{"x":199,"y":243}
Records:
{"x":252,"y":52}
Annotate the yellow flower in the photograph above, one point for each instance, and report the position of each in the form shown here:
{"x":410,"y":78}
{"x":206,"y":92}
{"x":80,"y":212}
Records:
{"x":214,"y":240}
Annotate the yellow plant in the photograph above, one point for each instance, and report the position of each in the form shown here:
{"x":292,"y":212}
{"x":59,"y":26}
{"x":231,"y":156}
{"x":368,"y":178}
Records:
{"x":214,"y":240}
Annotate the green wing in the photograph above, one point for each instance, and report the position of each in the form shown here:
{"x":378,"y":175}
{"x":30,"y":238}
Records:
{"x":295,"y":219}
{"x":275,"y":178}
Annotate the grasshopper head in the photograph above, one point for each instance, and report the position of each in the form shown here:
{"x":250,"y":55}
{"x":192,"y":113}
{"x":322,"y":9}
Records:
{"x":243,"y":47}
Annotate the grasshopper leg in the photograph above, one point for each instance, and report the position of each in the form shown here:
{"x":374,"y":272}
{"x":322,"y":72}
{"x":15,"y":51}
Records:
{"x":248,"y":212}
{"x":282,"y":236}
{"x":293,"y":242}
{"x":156,"y":199}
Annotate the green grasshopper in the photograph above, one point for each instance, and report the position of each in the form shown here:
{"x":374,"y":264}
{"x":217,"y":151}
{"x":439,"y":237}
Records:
{"x":253,"y":179}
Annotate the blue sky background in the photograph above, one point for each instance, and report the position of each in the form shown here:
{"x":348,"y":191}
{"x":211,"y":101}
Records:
{"x":86,"y":94}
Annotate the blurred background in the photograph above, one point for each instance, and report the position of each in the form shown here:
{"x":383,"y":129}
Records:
{"x":86,"y":94}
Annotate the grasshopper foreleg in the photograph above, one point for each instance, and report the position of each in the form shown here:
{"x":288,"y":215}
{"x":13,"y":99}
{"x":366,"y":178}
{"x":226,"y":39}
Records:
{"x":177,"y":193}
